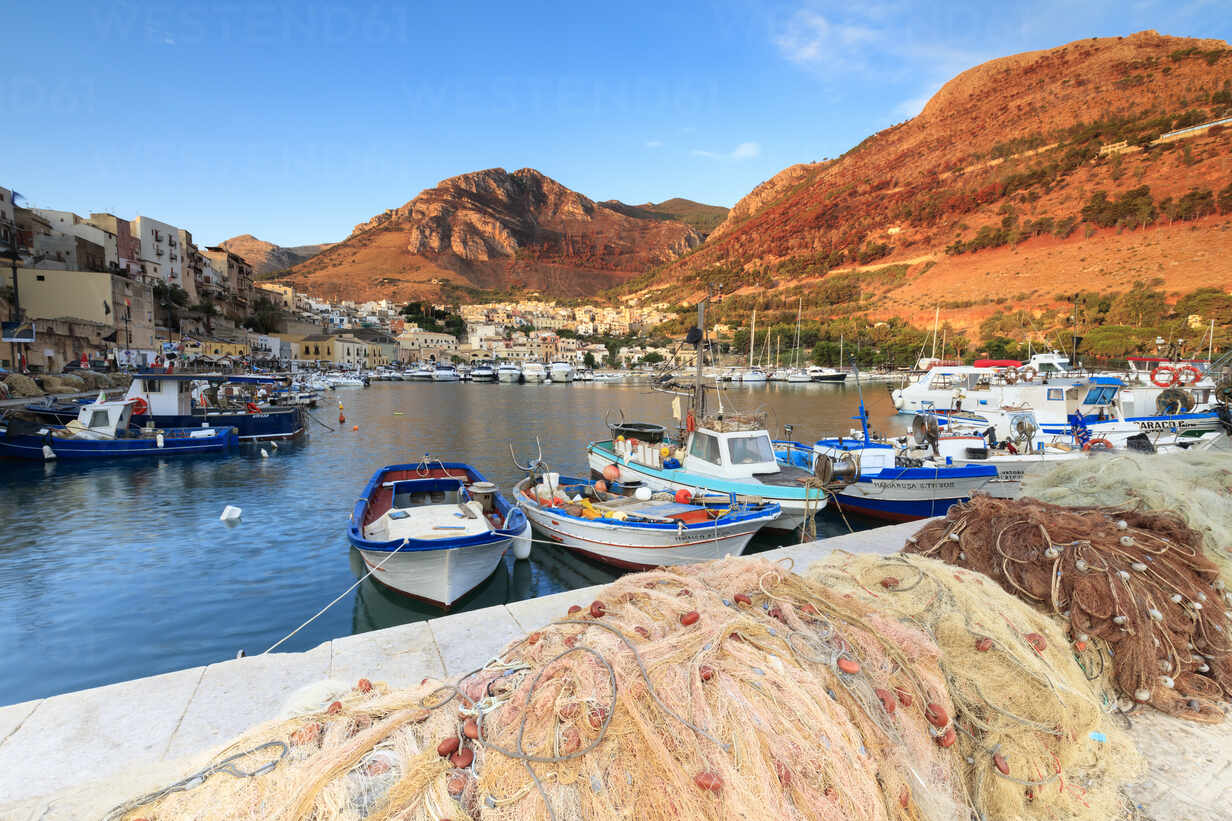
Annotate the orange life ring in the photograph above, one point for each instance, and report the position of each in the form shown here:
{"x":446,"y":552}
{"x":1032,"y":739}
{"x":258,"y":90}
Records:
{"x":1187,"y":369}
{"x":1009,"y":375}
{"x":1028,"y":374}
{"x":140,"y":406}
{"x":252,"y":407}
{"x":1098,"y":444}
{"x":1159,"y":372}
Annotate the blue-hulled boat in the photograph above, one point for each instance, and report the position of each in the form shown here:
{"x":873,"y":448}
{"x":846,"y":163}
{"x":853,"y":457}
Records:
{"x":102,"y":431}
{"x":434,"y":530}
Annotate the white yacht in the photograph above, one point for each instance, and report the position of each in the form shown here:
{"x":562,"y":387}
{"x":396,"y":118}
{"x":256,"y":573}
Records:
{"x":445,"y":372}
{"x":483,"y":372}
{"x":534,"y":372}
{"x":508,"y":372}
{"x":560,"y":372}
{"x":753,"y":375}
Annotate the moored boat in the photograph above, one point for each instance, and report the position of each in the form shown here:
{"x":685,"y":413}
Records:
{"x":508,"y":372}
{"x":101,"y":431}
{"x":434,"y":530}
{"x":534,"y":372}
{"x":638,"y":533}
{"x":560,"y":372}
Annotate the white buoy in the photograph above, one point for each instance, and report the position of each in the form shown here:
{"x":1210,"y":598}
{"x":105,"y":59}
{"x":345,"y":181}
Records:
{"x":231,"y":513}
{"x":264,"y":453}
{"x":522,"y":543}
{"x":48,"y":453}
{"x":642,"y":494}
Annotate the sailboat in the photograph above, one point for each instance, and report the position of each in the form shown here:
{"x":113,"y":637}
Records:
{"x":754,"y":374}
{"x":798,"y":374}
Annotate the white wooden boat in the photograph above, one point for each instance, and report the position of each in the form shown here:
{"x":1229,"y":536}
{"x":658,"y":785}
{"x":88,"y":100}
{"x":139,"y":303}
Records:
{"x":435,"y":530}
{"x":637,"y":533}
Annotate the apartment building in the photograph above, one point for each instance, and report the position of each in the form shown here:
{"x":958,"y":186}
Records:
{"x":128,"y":245}
{"x":160,"y":249}
{"x":8,"y":224}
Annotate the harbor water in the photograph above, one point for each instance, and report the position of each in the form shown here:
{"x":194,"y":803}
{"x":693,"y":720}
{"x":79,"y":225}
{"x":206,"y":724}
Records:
{"x":123,"y":569}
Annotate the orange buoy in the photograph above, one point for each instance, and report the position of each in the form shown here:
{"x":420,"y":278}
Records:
{"x":364,"y":686}
{"x":600,"y":486}
{"x":596,"y":716}
{"x":462,"y":758}
{"x":533,"y":638}
{"x":457,"y":783}
{"x":308,"y":734}
{"x":983,"y":644}
{"x":341,"y":419}
{"x":889,"y":582}
{"x":354,"y":427}
{"x":690,"y":618}
{"x":849,"y":666}
{"x":887,"y":700}
{"x":683,"y":496}
{"x":1001,"y":764}
{"x":947,"y":738}
{"x":706,"y":672}
{"x":611,"y":473}
{"x":1037,"y":641}
{"x":448,"y":746}
{"x":642,"y":631}
{"x":808,"y":607}
{"x":1080,"y":645}
{"x":597,"y":609}
{"x":904,"y":698}
{"x":741,"y":598}
{"x":575,"y":609}
{"x":776,"y":612}
{"x":470,"y":729}
{"x":712,"y":782}
{"x":936,"y":715}
{"x":334,"y":708}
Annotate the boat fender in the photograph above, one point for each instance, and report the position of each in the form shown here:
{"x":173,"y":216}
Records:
{"x":159,"y":440}
{"x":48,"y":453}
{"x":611,"y":473}
{"x":522,"y":541}
{"x":1164,"y":376}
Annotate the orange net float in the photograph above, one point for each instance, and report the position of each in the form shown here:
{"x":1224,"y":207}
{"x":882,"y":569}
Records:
{"x":611,"y":473}
{"x":684,"y":496}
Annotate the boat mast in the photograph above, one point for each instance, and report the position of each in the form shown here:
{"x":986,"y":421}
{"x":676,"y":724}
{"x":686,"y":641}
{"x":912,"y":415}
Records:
{"x":752,"y":337}
{"x":699,"y":391}
{"x":795,"y":359}
{"x":936,"y":319}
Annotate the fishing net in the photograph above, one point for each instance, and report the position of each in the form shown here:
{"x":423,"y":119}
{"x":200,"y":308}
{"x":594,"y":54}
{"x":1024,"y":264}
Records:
{"x":1036,"y":739}
{"x":1134,"y":585}
{"x":735,"y":422}
{"x":1195,"y":485}
{"x":722,"y":690}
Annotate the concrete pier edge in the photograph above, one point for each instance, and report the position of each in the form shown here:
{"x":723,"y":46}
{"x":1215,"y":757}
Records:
{"x":79,"y":754}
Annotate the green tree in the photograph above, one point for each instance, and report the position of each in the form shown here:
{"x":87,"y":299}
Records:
{"x":653,"y":358}
{"x":588,"y":359}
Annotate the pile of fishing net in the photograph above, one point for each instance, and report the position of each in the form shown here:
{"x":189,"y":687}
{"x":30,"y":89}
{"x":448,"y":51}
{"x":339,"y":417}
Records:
{"x":1036,"y":733}
{"x":1133,"y":585}
{"x":1195,"y":485}
{"x":724,"y":690}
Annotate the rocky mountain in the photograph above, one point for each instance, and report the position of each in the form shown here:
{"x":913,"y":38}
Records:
{"x":990,"y":199}
{"x":494,"y":229}
{"x":266,"y":257}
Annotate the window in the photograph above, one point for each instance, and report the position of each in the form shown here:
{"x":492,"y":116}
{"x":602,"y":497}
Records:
{"x":705,"y":447}
{"x":1055,"y":394}
{"x":153,"y":386}
{"x":40,"y":277}
{"x":750,"y":450}
{"x":98,"y":419}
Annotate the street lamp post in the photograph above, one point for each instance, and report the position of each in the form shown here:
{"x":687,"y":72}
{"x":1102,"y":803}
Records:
{"x":15,"y":308}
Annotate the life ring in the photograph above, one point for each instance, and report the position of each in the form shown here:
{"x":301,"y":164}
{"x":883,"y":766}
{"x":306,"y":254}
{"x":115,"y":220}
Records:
{"x":690,"y":422}
{"x":1008,"y":375}
{"x":140,"y":406}
{"x":1098,"y":444}
{"x":252,"y":407}
{"x":1195,"y":375}
{"x":1028,"y":374}
{"x":1158,"y":373}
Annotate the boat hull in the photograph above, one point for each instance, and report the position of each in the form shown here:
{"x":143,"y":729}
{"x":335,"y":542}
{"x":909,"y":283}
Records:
{"x":31,"y":446}
{"x":437,"y":576}
{"x":899,"y":495}
{"x":274,"y":423}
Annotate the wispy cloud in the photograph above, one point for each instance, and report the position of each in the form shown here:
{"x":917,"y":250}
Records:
{"x":809,"y":38}
{"x":654,"y":143}
{"x":744,"y":151}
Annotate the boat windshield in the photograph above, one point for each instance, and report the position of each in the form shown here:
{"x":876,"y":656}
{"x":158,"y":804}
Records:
{"x":705,"y":447}
{"x":750,"y":450}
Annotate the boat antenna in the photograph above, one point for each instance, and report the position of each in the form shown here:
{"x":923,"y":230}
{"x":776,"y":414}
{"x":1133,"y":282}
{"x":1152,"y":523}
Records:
{"x":863,"y":417}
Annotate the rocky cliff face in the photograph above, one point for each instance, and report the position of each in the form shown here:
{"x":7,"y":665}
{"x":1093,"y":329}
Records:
{"x":496,"y":229}
{"x":1004,"y":159}
{"x":266,"y":257}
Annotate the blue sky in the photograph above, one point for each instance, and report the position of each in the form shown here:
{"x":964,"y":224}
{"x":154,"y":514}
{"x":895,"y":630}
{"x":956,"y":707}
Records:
{"x":294,"y":121}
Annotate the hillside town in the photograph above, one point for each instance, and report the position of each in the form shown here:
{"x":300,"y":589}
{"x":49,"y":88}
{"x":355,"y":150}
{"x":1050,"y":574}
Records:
{"x":108,"y":292}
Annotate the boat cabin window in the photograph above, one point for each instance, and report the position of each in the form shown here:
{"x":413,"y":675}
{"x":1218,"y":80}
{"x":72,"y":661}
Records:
{"x":750,"y":450}
{"x":98,"y":419}
{"x":1100,"y":395}
{"x":153,"y":386}
{"x":941,"y":381}
{"x":1055,"y":394}
{"x":705,"y":447}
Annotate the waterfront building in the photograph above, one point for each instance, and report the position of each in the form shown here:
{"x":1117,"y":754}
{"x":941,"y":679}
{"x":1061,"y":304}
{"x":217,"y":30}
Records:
{"x":128,"y":244}
{"x":8,"y":224}
{"x":281,"y":295}
{"x":160,"y":249}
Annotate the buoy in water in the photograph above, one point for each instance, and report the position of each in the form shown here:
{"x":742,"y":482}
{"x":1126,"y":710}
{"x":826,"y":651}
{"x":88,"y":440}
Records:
{"x":341,"y":419}
{"x":354,"y":427}
{"x":231,"y":513}
{"x":264,"y":453}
